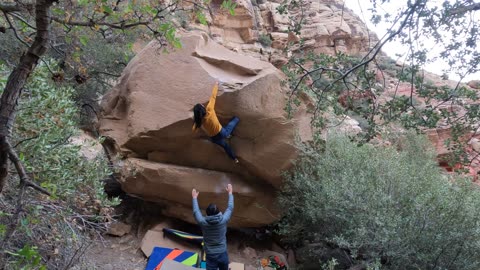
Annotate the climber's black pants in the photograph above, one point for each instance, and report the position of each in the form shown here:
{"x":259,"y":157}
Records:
{"x":217,"y":261}
{"x":223,"y":134}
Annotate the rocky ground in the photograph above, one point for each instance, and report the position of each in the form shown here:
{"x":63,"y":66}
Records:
{"x":114,"y":253}
{"x":125,"y":252}
{"x":128,"y":241}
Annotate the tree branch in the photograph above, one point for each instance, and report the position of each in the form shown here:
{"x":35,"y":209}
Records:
{"x":9,"y":7}
{"x":24,"y":140}
{"x":23,"y":20}
{"x":464,"y":9}
{"x":24,"y":183}
{"x":17,"y":79}
{"x":92,"y":23}
{"x":105,"y":73}
{"x":14,"y":29}
{"x":22,"y":173}
{"x":370,"y":56}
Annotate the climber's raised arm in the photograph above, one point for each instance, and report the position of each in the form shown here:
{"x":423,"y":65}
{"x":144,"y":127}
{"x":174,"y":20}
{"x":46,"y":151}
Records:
{"x":197,"y":214}
{"x":228,"y":213}
{"x":213,"y":98}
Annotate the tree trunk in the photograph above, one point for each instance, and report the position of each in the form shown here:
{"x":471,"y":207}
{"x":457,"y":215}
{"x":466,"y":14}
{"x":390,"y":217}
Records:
{"x":17,"y":79}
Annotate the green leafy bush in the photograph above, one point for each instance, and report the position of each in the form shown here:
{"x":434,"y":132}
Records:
{"x":29,"y":258}
{"x":230,"y":6}
{"x":382,"y":205}
{"x":46,"y":121}
{"x":265,"y":40}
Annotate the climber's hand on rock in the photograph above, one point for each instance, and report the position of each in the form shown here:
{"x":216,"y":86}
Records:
{"x":220,"y":89}
{"x":195,"y":193}
{"x":229,"y":189}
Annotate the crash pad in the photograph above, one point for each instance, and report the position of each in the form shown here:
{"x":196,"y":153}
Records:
{"x":236,"y":266}
{"x":156,"y":238}
{"x":159,"y":254}
{"x":184,"y":236}
{"x":173,"y":265}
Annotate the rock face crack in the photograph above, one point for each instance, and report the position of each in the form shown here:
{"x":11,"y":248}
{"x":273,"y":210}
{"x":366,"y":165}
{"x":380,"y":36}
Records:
{"x":147,"y":118}
{"x":229,"y":66}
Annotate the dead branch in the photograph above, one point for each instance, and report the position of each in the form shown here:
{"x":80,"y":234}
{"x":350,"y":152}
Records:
{"x":79,"y":252}
{"x":24,"y":140}
{"x":22,"y":173}
{"x":14,"y":29}
{"x":20,"y":18}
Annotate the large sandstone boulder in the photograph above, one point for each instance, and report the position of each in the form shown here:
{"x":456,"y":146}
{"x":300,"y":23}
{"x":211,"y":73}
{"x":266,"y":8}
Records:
{"x":475,"y":84}
{"x":147,"y":119}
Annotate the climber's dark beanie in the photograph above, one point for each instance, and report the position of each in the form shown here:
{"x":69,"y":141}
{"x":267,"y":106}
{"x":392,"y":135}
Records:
{"x":212,"y":209}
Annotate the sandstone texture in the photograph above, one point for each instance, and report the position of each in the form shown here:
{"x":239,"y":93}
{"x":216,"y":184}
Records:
{"x":328,"y":27}
{"x":119,"y":228}
{"x":147,"y":120}
{"x":475,"y":84}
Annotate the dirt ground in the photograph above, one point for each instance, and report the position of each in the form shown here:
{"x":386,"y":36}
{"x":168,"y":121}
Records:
{"x":247,"y":246}
{"x":114,"y":253}
{"x":125,"y":253}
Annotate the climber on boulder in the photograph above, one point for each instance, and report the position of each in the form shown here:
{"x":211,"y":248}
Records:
{"x":206,"y":118}
{"x":214,"y":229}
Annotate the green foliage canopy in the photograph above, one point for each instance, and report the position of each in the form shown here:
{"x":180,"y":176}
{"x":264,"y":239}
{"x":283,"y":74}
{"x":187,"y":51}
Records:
{"x":381,"y":204}
{"x":46,"y":122}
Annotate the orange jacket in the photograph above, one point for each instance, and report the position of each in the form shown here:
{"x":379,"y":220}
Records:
{"x":210,"y":123}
